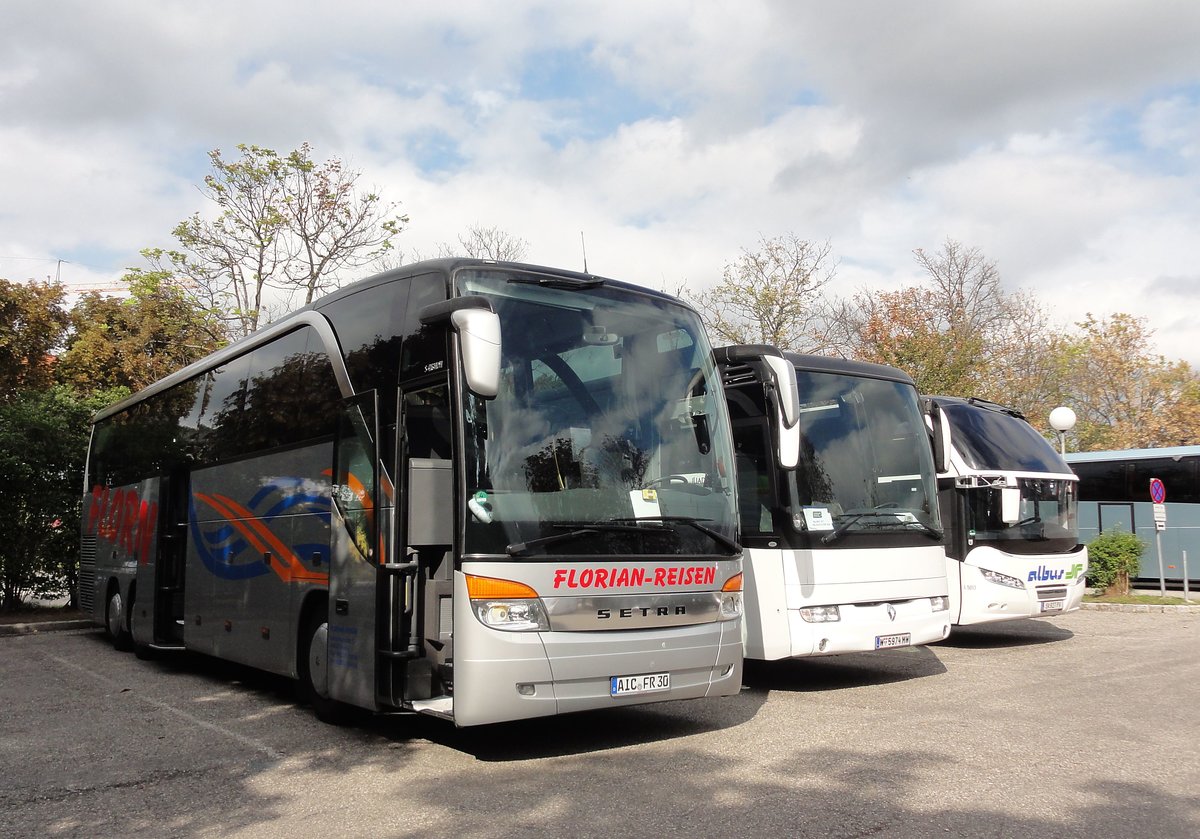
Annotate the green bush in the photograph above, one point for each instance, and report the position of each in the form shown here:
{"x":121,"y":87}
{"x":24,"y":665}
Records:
{"x":1113,"y":557}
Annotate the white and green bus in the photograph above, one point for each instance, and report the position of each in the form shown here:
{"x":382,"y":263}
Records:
{"x":482,"y":491}
{"x":1011,"y":508}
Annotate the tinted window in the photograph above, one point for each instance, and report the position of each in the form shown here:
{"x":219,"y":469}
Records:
{"x":423,"y":345}
{"x":317,"y":416}
{"x":989,"y":439}
{"x":274,"y":396}
{"x":221,"y":420}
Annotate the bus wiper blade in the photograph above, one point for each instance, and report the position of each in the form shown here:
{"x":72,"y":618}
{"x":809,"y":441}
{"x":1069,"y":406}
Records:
{"x":568,"y":283}
{"x":850,"y":520}
{"x":525,"y":548}
{"x":931,"y":532}
{"x":723,"y":541}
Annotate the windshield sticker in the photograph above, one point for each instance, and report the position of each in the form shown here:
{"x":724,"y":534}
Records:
{"x":818,"y":518}
{"x":645,"y":503}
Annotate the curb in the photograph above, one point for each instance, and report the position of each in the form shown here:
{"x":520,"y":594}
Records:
{"x":43,"y":626}
{"x":1138,"y":607}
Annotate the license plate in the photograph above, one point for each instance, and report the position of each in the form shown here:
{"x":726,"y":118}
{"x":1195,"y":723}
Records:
{"x":902,"y":639}
{"x":1052,"y":606}
{"x":645,"y":683}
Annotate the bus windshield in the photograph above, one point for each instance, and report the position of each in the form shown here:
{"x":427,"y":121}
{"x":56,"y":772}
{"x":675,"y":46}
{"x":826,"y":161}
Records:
{"x":608,"y":435}
{"x":1048,"y":517}
{"x":866,"y":469}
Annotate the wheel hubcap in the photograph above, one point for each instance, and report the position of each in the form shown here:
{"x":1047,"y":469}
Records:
{"x":114,"y":614}
{"x":318,"y":661}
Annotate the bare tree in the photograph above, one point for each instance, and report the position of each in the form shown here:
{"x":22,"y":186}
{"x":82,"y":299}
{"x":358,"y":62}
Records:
{"x":479,"y":242}
{"x":773,"y":295}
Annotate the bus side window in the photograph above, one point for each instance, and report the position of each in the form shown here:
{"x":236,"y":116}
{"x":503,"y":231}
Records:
{"x":427,"y":422}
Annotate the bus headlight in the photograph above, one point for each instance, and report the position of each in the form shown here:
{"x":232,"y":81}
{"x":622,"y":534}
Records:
{"x":731,"y":598}
{"x":506,"y":604}
{"x":512,"y":615}
{"x":1001,"y":579}
{"x":731,"y":605}
{"x":940,"y":604}
{"x":820,"y":614}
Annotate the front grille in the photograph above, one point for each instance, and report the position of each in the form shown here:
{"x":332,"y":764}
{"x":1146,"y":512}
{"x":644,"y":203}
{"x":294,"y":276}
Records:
{"x":87,"y":573}
{"x":1051,"y":592}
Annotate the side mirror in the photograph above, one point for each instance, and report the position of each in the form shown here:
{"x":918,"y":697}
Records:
{"x":783,"y":394}
{"x":939,"y":432}
{"x":478,"y":329}
{"x":787,"y":409}
{"x":1010,"y":505}
{"x":479,"y":338}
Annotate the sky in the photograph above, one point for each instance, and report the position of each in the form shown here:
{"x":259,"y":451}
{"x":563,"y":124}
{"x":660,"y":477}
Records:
{"x":1060,"y":139}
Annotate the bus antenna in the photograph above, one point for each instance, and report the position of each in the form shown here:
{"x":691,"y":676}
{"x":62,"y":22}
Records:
{"x":583,"y":244}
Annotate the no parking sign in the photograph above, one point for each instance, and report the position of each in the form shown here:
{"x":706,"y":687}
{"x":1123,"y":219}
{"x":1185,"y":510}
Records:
{"x":1158,"y":494}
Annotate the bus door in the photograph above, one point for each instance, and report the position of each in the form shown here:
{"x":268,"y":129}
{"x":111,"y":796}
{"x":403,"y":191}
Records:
{"x":362,"y":507}
{"x":423,"y":584}
{"x":175,"y":495}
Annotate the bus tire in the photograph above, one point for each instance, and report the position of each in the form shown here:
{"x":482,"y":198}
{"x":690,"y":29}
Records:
{"x":312,"y":668}
{"x":116,"y":621}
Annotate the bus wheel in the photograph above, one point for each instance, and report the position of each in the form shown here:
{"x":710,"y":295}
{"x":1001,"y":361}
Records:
{"x":115,"y":624}
{"x":313,"y":669}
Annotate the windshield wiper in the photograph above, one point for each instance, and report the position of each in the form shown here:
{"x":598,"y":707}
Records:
{"x":525,"y":548}
{"x":931,"y":532}
{"x":852,"y":518}
{"x":568,"y":283}
{"x":723,"y":541}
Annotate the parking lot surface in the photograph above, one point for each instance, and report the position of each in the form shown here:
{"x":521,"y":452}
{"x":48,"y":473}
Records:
{"x":1084,"y":725}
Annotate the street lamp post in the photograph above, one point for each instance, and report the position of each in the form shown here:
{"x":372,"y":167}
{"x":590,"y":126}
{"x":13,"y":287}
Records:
{"x":1062,"y":420}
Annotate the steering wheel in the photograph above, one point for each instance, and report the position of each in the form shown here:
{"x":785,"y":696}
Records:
{"x":668,"y":479}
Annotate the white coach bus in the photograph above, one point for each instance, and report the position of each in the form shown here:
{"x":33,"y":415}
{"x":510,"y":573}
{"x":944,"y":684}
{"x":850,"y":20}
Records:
{"x":839,"y":511}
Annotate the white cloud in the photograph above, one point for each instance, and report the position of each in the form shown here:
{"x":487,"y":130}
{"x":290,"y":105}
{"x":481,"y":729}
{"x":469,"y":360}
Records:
{"x":1060,"y":139}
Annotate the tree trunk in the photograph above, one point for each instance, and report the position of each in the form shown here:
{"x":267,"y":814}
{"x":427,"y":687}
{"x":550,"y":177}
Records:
{"x":1120,"y":586}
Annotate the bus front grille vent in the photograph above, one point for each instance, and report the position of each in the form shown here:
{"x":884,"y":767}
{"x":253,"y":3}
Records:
{"x":1052,"y":592}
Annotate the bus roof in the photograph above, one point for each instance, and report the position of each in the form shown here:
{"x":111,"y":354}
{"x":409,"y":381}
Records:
{"x":306,"y":315}
{"x":1175,"y":452}
{"x":845,"y":366}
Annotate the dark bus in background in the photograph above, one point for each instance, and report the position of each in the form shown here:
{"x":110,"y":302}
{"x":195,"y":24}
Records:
{"x":1114,"y":493}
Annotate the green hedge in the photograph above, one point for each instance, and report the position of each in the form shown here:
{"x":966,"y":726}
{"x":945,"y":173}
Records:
{"x":1113,"y":557}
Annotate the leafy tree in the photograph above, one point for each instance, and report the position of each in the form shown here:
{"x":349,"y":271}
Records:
{"x":481,"y":242}
{"x":283,"y":223}
{"x":1125,"y":395}
{"x":772,"y":296}
{"x":134,"y":342}
{"x":33,"y":325}
{"x":960,"y":333}
{"x":906,"y":329}
{"x":43,"y":441}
